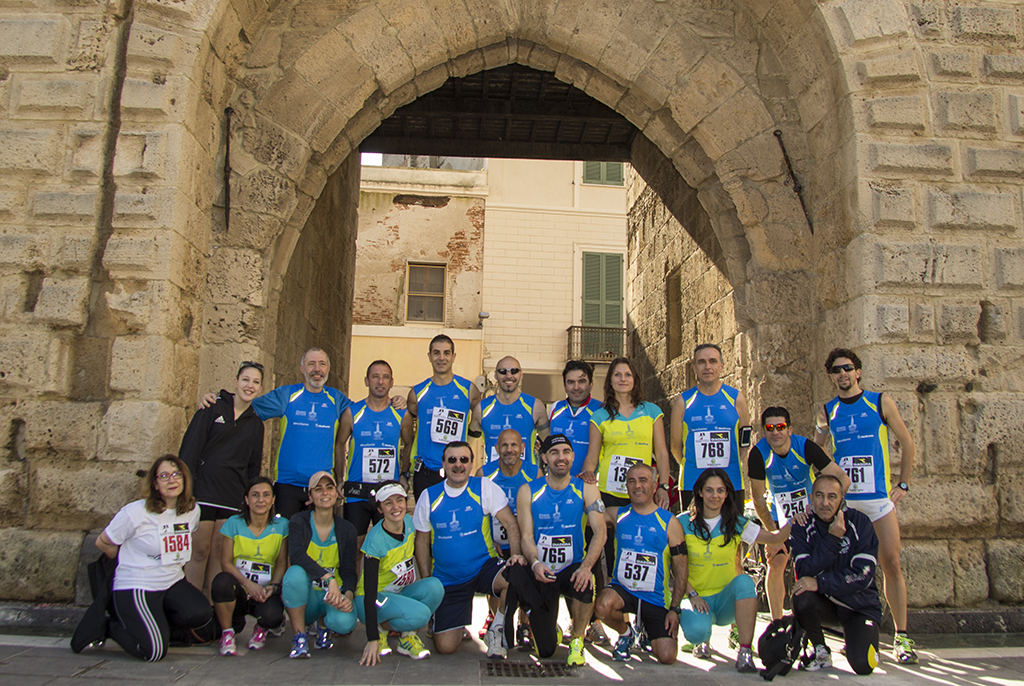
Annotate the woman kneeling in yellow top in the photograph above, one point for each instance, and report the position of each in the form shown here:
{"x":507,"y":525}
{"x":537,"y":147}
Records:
{"x":717,"y":592}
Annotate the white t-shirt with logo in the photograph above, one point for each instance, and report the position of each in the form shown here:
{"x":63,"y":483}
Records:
{"x":154,"y":547}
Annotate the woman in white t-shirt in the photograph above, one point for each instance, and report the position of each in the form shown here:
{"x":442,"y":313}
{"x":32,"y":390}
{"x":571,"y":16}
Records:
{"x":152,"y":540}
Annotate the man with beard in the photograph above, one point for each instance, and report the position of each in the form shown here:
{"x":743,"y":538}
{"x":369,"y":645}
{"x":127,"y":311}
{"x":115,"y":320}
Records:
{"x":551,"y":515}
{"x":510,"y":408}
{"x":834,"y":554}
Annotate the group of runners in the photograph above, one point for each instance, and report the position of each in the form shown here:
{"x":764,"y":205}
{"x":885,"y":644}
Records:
{"x":571,"y":501}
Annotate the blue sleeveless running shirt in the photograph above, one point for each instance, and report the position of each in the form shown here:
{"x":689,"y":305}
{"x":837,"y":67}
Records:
{"x":460,"y":533}
{"x":559,"y":518}
{"x":710,"y":435}
{"x":510,"y":485}
{"x":517,"y":415}
{"x":790,"y":478}
{"x":443,"y":413}
{"x":641,"y":555}
{"x":574,"y":424}
{"x":374,"y":445}
{"x":861,"y":441}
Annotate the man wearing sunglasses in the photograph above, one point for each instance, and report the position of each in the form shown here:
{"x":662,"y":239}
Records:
{"x":440,"y":407}
{"x":785,"y":462}
{"x":859,"y":422}
{"x":454,"y":543}
{"x":510,"y":408}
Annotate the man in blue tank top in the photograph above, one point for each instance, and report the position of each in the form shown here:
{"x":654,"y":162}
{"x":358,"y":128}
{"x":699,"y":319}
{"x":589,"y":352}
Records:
{"x":858,"y":423}
{"x":371,"y":430}
{"x":510,"y":408}
{"x":571,"y":417}
{"x":710,"y":425}
{"x":646,"y":539}
{"x":454,"y":544}
{"x":441,"y":408}
{"x":552,"y":513}
{"x":779,"y":468}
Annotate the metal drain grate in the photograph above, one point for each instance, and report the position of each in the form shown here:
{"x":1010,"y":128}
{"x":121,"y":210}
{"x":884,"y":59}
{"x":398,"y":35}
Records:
{"x":526,"y":670}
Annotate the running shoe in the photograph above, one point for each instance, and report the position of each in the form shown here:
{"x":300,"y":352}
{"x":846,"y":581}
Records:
{"x":487,"y":625}
{"x":300,"y":646}
{"x":279,"y":631}
{"x":495,"y":639}
{"x":702,"y":651}
{"x":903,"y":650}
{"x":383,"y":648}
{"x":734,"y":637}
{"x":620,"y":653}
{"x":323,"y":639}
{"x":576,"y":656}
{"x":411,"y":645}
{"x":596,"y":635}
{"x":745,"y":661}
{"x":822,"y":658}
{"x":227,"y":643}
{"x":259,"y":638}
{"x":642,"y":642}
{"x":524,"y":637}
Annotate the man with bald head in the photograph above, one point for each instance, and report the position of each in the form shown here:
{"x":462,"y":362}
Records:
{"x":510,"y":408}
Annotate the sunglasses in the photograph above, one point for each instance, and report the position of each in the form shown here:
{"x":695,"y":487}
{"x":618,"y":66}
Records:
{"x":781,"y":426}
{"x":458,"y":458}
{"x":841,"y":368}
{"x":508,"y":370}
{"x":255,"y":365}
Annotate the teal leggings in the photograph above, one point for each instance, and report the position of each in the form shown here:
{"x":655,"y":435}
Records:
{"x":409,"y":610}
{"x":696,"y":626}
{"x":297,"y":590}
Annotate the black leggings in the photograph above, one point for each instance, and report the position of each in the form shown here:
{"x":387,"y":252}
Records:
{"x":289,"y":500}
{"x":815,"y":610}
{"x":269,"y":614}
{"x":143,"y":620}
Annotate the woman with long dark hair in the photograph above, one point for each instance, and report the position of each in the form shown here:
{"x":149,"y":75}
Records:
{"x":718,"y":592}
{"x":254,"y":556}
{"x":151,"y":539}
{"x":223,"y":448}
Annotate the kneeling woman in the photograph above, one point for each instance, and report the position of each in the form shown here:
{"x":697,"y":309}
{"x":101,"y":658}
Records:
{"x":718,"y":592}
{"x":152,"y":540}
{"x":254,"y":556}
{"x":321,"y":581}
{"x":388,"y":590}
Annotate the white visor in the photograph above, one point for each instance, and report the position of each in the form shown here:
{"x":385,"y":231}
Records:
{"x":388,"y":491}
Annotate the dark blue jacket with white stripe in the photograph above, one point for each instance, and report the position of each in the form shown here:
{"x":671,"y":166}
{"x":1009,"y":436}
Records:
{"x":844,"y":567}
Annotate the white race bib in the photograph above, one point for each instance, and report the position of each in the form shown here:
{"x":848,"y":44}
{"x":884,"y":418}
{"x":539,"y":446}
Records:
{"x":257,"y":572}
{"x":618,"y":465}
{"x":790,"y":504}
{"x":714,"y":448}
{"x":446,"y":425}
{"x":555,"y":551}
{"x":498,"y":533}
{"x":378,"y":464}
{"x":321,"y":583}
{"x":861,"y":470}
{"x":638,"y":571}
{"x":405,"y":574}
{"x":175,"y":544}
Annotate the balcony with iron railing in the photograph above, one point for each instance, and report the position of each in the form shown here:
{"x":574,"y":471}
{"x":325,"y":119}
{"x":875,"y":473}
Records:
{"x":595,"y":343}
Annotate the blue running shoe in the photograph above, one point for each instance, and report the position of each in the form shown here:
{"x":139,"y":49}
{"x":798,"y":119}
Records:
{"x":620,"y":653}
{"x":300,"y":646}
{"x":323,"y":639}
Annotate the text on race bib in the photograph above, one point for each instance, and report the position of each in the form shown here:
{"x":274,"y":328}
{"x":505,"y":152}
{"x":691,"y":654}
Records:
{"x":405,"y":574}
{"x":618,"y":466}
{"x":713,"y":448}
{"x":638,"y":571}
{"x":379,"y":464}
{"x":789,"y":504}
{"x":861,"y":470}
{"x":555,"y":551}
{"x":498,"y":533}
{"x":257,"y":572}
{"x":175,"y":544}
{"x":446,"y":425}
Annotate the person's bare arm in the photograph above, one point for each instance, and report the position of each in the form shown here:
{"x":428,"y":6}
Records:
{"x":757,"y":491}
{"x":676,"y":428}
{"x":835,"y":470}
{"x":743,"y":410}
{"x":540,"y":419}
{"x":341,"y":445}
{"x":583,"y":576}
{"x":902,"y":433}
{"x":593,"y":455}
{"x":661,"y":459}
{"x":524,"y":518}
{"x":424,"y":561}
{"x":106,"y":546}
{"x":508,"y":520}
{"x":821,"y":422}
{"x":408,"y":431}
{"x":680,"y":574}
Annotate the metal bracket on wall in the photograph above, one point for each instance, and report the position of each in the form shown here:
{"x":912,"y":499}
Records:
{"x":797,"y":188}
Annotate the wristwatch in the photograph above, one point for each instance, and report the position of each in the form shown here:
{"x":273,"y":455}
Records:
{"x":665,"y":486}
{"x":678,"y":610}
{"x":692,"y":594}
{"x":904,"y":485}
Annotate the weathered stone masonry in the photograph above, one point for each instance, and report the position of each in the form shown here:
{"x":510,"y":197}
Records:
{"x":124,"y":294}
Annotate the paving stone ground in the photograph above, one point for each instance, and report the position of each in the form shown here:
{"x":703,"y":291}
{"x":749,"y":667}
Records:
{"x":37,"y":660}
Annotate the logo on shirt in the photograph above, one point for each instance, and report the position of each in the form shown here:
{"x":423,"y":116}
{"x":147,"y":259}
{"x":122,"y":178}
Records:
{"x":377,"y":433}
{"x":557,"y":516}
{"x":454,"y":524}
{"x":218,"y":420}
{"x":312,"y":412}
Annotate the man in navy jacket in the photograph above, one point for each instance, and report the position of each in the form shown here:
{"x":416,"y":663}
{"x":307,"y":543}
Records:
{"x":835,"y":555}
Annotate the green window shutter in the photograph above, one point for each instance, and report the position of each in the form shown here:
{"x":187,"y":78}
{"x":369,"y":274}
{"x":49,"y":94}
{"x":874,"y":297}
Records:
{"x":613,"y":173}
{"x":602,"y":289}
{"x":592,"y":172}
{"x":604,"y":173}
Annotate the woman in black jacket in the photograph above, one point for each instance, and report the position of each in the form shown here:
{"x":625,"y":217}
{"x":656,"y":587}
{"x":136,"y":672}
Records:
{"x":223,"y":448}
